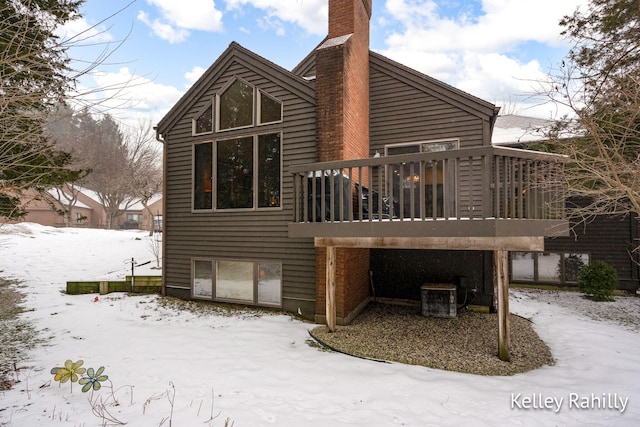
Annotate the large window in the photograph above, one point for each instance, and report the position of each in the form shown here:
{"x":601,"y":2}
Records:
{"x":234,"y":172}
{"x":243,"y":172}
{"x":547,"y":267}
{"x":238,"y":187}
{"x":247,"y":282}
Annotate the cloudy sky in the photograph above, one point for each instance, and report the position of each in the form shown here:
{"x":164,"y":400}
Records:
{"x":494,"y":49}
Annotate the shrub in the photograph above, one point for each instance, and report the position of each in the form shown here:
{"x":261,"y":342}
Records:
{"x":598,"y":280}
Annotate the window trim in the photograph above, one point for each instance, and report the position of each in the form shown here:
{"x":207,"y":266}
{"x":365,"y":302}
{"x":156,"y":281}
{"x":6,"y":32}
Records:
{"x":256,"y":277}
{"x":218,"y":109}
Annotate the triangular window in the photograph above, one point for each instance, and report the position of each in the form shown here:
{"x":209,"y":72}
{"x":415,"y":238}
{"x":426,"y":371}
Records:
{"x":270,"y":109}
{"x":203,"y":123}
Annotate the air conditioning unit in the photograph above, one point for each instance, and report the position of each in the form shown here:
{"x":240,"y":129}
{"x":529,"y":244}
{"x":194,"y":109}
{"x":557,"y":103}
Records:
{"x":438,"y":300}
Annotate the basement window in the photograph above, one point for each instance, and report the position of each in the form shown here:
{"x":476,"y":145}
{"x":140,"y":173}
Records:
{"x":238,"y":281}
{"x":547,"y":267}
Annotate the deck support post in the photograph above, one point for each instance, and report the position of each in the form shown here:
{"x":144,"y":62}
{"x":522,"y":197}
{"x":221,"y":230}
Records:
{"x":331,"y":288}
{"x":501,"y":267}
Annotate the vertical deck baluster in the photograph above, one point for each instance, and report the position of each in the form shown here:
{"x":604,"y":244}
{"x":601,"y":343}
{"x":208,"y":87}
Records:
{"x":341,"y":196}
{"x":422,"y":190}
{"x":350,"y":195}
{"x":360,"y":193}
{"x":434,"y":189}
{"x":332,"y":196}
{"x":412,"y":187}
{"x":401,"y":190}
{"x":513,"y":190}
{"x":497,"y":186}
{"x":381,"y":191}
{"x":323,"y":203}
{"x":507,"y":185}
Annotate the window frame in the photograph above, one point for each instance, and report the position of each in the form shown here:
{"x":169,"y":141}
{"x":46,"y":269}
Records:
{"x":255,"y":263}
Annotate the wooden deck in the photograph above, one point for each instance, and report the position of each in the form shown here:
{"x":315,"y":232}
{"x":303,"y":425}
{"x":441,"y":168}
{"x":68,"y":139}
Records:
{"x":487,"y":192}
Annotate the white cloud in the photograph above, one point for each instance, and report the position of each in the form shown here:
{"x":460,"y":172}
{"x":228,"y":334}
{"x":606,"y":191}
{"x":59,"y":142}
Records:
{"x":193,"y":75}
{"x":178,"y":17}
{"x":126,"y":96}
{"x":478,"y":52}
{"x":308,"y":14}
{"x":80,"y":30}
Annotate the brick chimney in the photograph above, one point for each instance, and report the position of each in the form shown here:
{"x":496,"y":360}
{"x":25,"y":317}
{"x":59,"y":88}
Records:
{"x":342,"y":123}
{"x":342,"y":82}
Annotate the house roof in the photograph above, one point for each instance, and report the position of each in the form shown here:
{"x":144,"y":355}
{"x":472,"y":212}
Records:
{"x":137,"y":204}
{"x":513,"y":129}
{"x":236,"y":53}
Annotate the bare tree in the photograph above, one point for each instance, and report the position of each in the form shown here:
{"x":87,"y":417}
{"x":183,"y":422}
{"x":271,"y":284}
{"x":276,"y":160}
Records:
{"x":145,"y":164}
{"x":599,"y":83}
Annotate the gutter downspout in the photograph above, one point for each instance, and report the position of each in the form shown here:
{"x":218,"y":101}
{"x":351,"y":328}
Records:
{"x":161,"y":140}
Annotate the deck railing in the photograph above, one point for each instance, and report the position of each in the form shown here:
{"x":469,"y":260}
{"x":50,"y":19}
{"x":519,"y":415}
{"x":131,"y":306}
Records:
{"x":475,"y":183}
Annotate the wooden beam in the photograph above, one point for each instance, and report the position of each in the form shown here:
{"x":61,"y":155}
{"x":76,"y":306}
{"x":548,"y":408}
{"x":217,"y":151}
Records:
{"x":501,"y":266}
{"x":330,"y":291}
{"x":524,"y":244}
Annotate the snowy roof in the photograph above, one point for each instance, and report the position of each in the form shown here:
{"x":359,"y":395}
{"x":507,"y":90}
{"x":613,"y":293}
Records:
{"x":513,"y":129}
{"x":78,"y":204}
{"x":137,"y":204}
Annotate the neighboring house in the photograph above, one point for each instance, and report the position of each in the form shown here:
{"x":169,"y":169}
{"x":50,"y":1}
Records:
{"x":609,"y":238}
{"x":409,"y":189}
{"x":136,"y":216}
{"x":84,"y":212}
{"x":87,"y":211}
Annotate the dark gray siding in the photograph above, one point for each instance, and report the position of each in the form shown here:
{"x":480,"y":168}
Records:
{"x":608,"y":238}
{"x":406,"y":107}
{"x":254,"y":235}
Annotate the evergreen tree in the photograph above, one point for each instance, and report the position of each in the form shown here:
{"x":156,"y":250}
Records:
{"x":33,"y":79}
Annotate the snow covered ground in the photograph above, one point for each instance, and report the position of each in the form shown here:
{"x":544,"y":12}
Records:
{"x":172,"y":367}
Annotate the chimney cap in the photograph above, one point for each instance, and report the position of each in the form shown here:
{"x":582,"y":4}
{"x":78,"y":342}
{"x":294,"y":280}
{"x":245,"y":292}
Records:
{"x":335,"y":41}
